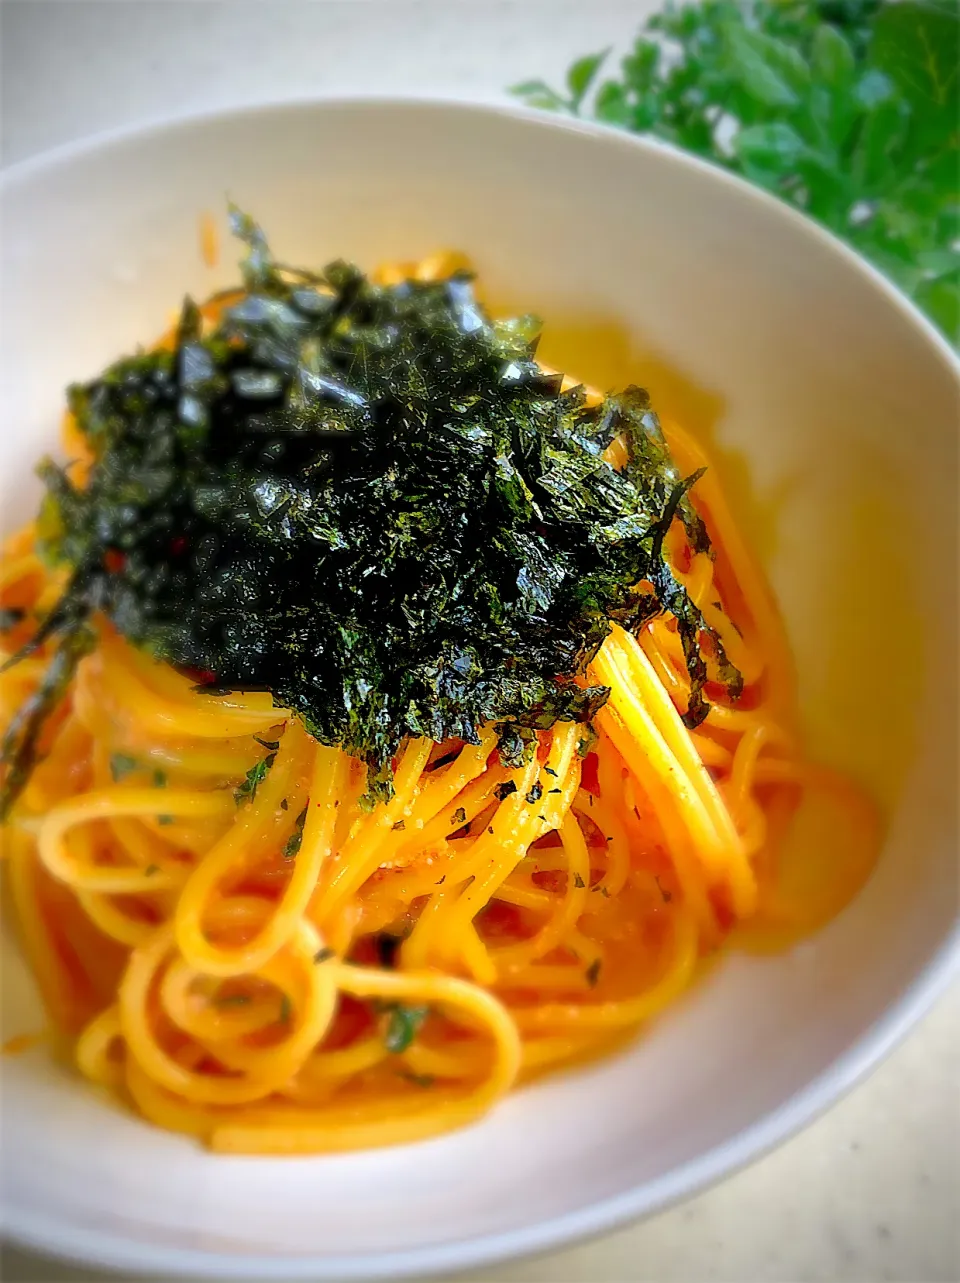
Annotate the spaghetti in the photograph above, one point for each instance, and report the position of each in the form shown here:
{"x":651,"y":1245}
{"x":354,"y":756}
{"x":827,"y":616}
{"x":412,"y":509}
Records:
{"x":294,"y":972}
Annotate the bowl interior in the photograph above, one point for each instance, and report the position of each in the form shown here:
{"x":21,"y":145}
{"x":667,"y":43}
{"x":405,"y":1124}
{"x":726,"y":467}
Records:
{"x":833,"y":407}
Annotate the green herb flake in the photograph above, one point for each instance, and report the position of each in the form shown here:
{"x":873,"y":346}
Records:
{"x":286,"y":1009}
{"x":159,"y":779}
{"x":403,"y":1025}
{"x":418,"y":1080}
{"x":121,"y":764}
{"x":293,"y":843}
{"x":151,"y":869}
{"x":324,"y":954}
{"x":399,"y":826}
{"x":578,"y":881}
{"x":247,"y":791}
{"x":593,"y":972}
{"x":459,"y":818}
{"x":503,"y":791}
{"x":536,"y":793}
{"x":165,"y":819}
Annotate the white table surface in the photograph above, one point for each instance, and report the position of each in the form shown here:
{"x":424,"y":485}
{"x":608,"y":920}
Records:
{"x":872,"y":1190}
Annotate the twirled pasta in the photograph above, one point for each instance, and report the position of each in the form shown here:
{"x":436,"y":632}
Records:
{"x":218,"y":964}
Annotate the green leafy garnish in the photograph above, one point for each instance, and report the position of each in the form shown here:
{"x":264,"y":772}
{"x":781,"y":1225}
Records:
{"x":247,"y":791}
{"x":403,"y":1025}
{"x":418,"y":1080}
{"x":293,"y":843}
{"x":848,"y":109}
{"x":371,"y":501}
{"x":593,"y":972}
{"x":122,"y":764}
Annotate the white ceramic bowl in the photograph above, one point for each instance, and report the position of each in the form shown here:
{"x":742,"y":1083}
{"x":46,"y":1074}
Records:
{"x":840,"y":404}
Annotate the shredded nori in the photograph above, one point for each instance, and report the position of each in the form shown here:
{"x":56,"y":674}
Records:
{"x":370,"y":501}
{"x":19,"y":748}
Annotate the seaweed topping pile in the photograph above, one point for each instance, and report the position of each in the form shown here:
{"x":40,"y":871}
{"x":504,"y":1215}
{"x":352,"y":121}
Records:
{"x":370,"y":501}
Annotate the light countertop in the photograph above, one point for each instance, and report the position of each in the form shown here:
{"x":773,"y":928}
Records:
{"x":872,"y":1190}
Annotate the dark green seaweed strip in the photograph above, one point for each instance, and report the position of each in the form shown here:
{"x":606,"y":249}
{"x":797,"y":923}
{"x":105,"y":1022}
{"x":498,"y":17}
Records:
{"x":370,"y":501}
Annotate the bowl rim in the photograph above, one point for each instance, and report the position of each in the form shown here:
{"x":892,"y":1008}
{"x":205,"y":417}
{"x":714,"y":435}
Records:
{"x":433,"y":104}
{"x":51,"y":1237}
